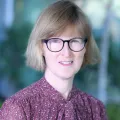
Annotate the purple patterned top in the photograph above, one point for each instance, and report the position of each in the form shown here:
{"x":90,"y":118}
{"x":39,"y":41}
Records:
{"x":41,"y":101}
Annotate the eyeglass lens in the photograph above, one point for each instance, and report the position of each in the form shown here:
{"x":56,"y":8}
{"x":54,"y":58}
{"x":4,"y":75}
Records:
{"x":57,"y":44}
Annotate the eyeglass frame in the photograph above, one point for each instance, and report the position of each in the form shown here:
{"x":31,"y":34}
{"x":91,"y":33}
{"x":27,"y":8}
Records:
{"x":68,"y":41}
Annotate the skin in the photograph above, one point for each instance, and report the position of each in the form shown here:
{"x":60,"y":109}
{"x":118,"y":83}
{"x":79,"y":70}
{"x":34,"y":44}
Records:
{"x":58,"y":75}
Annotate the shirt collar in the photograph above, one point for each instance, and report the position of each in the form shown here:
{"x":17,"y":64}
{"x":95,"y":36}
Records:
{"x":51,"y":93}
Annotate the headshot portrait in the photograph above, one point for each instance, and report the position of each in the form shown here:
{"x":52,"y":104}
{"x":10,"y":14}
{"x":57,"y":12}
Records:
{"x":60,"y":45}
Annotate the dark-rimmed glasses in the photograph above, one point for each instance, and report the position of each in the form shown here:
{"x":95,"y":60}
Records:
{"x":57,"y":44}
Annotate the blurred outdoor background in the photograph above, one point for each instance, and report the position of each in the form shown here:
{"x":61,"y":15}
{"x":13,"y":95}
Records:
{"x":17,"y":18}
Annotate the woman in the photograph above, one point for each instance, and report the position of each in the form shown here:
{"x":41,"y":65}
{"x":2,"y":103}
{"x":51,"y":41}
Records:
{"x":60,"y":44}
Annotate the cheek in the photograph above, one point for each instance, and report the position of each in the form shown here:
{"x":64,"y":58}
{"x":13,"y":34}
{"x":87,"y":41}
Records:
{"x":50,"y":57}
{"x":84,"y":51}
{"x":80,"y":57}
{"x":81,"y":54}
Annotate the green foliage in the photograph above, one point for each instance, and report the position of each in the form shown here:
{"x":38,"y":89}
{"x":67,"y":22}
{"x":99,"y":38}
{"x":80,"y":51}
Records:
{"x":12,"y":51}
{"x":0,"y":104}
{"x":113,"y":111}
{"x":113,"y":62}
{"x":114,"y":68}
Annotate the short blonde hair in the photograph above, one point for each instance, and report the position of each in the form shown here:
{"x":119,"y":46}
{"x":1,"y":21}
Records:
{"x":54,"y":20}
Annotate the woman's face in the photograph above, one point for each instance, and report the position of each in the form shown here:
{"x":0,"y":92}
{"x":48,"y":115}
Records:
{"x":65,"y":63}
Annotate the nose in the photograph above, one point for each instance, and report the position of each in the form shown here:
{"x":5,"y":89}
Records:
{"x":66,"y":50}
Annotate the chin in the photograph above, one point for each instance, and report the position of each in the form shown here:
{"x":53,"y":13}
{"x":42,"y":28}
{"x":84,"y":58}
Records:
{"x":66,"y":76}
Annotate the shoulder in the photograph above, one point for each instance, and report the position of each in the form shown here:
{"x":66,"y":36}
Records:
{"x":87,"y":97}
{"x":11,"y":110}
{"x":28,"y":92}
{"x":24,"y":96}
{"x":92,"y":104}
{"x":18,"y":106}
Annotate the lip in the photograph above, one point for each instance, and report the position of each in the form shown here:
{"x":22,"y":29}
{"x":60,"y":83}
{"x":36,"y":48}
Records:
{"x":69,"y":64}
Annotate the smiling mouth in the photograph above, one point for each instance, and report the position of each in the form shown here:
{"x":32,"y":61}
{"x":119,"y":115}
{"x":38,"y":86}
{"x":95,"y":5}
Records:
{"x":66,"y":63}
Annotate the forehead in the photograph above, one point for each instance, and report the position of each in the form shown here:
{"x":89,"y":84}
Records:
{"x":71,"y":31}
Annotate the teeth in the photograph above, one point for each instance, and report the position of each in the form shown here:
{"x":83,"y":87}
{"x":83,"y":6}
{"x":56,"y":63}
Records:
{"x":66,"y":62}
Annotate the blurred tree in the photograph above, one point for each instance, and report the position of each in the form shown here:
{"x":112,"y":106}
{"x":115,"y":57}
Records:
{"x":12,"y":51}
{"x":113,"y":111}
{"x":114,"y":67}
{"x":103,"y":71}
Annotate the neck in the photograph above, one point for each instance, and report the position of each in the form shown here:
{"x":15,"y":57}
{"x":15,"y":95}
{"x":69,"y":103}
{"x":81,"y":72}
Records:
{"x":62,"y":85}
